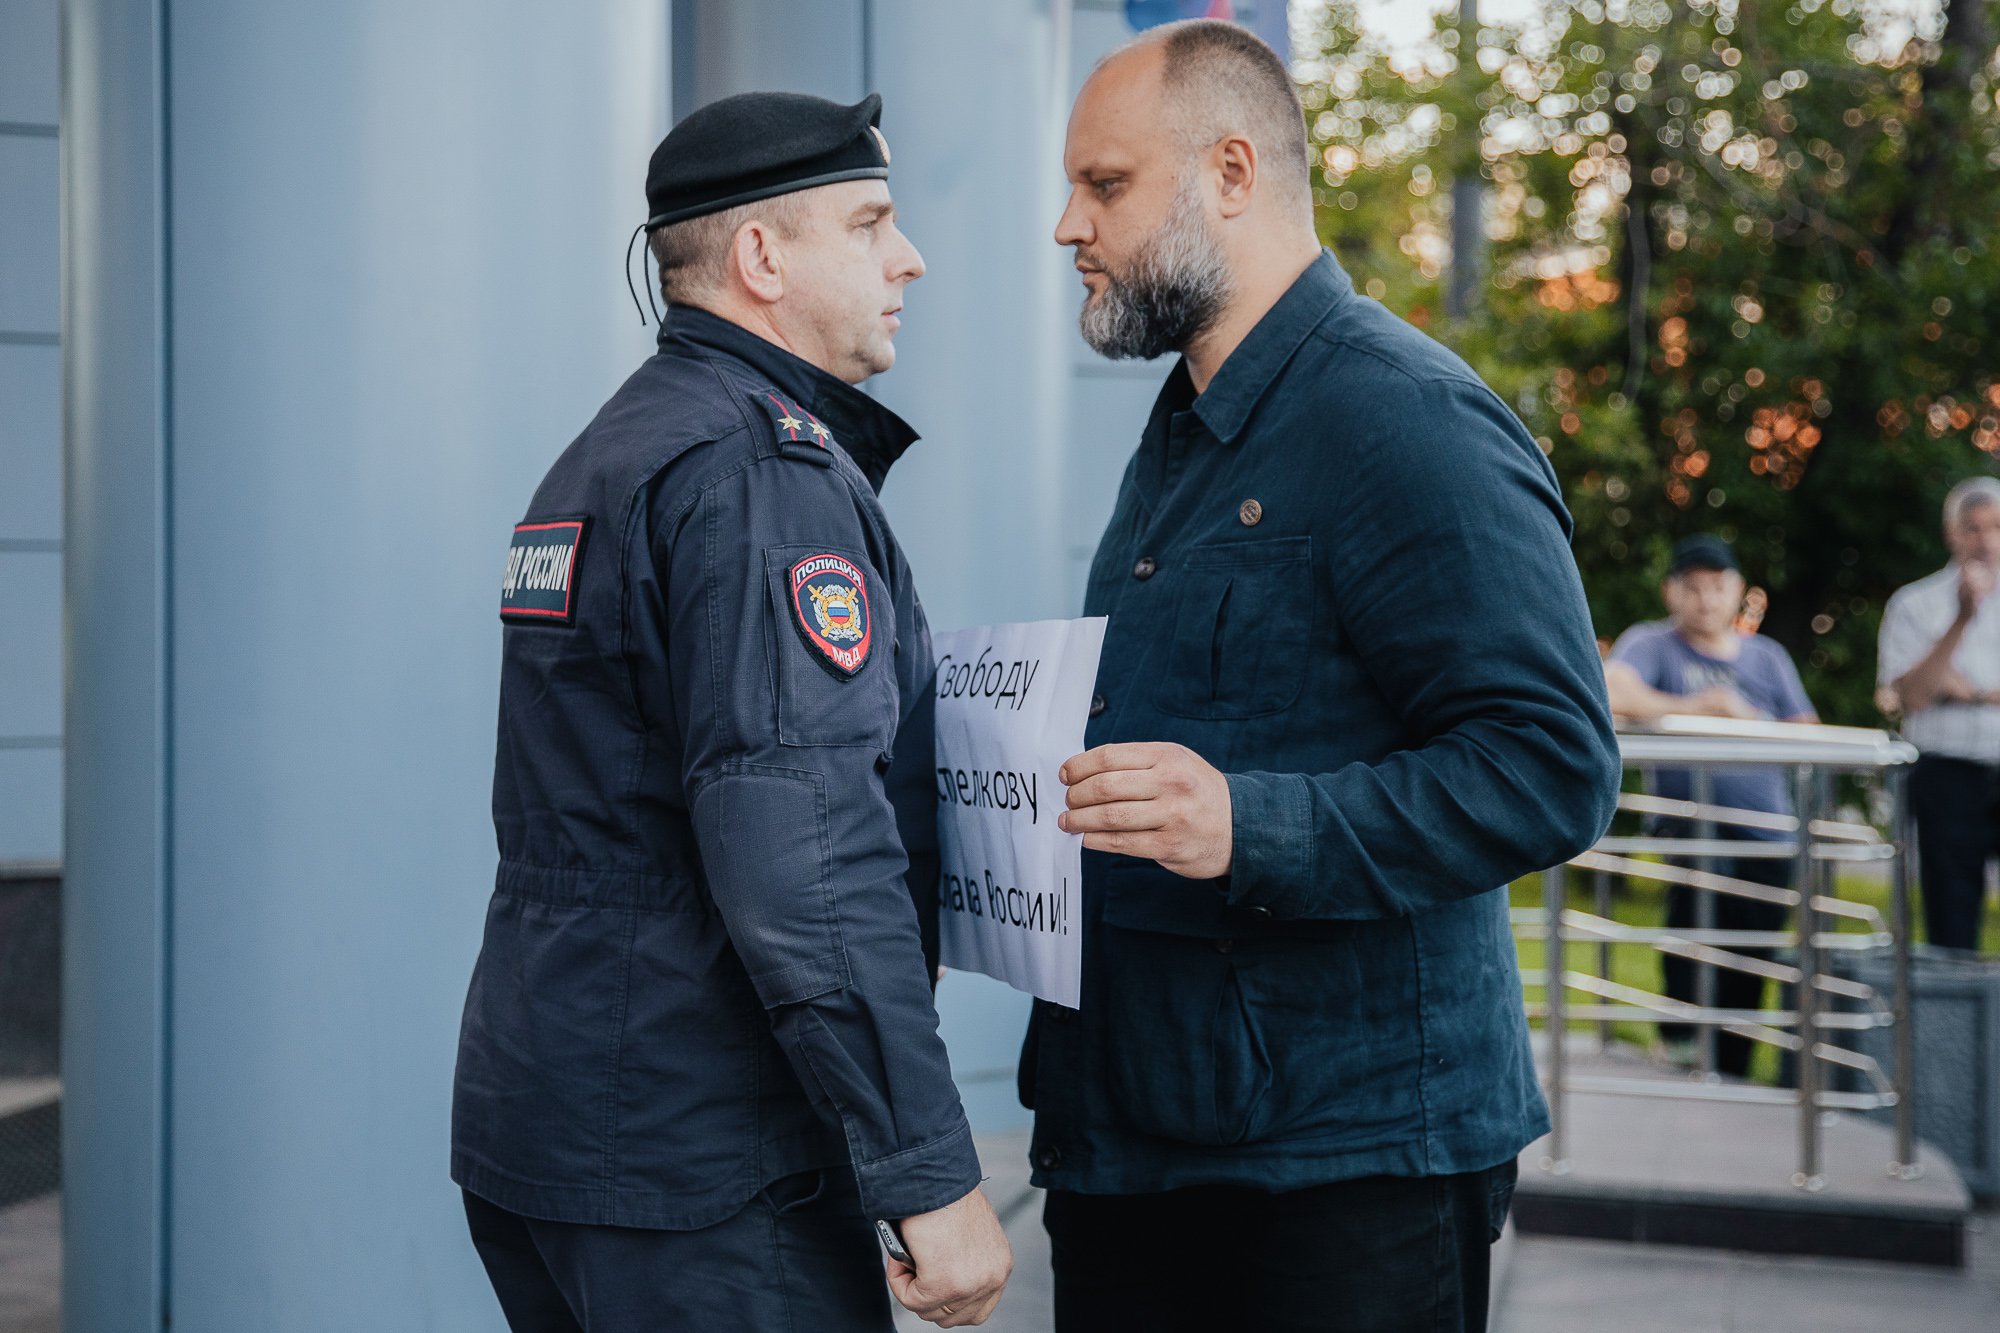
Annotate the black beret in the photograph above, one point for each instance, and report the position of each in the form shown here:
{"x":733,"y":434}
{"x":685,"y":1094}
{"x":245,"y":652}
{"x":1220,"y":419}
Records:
{"x":756,"y":145}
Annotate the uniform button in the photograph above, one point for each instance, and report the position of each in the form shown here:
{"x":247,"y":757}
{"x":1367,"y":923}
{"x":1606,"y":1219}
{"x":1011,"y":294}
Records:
{"x":1097,"y":705}
{"x":1144,"y":569}
{"x":1059,"y":1013}
{"x":1251,"y":513}
{"x":1260,"y":911}
{"x":1049,"y":1158}
{"x":1224,"y":946}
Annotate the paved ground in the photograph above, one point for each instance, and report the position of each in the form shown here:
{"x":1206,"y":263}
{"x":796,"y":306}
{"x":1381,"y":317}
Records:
{"x":1574,"y":1286}
{"x":1544,"y":1286}
{"x":1565,"y":1286}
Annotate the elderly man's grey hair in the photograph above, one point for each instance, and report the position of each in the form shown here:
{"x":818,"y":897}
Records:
{"x":1220,"y":79}
{"x":1967,"y":496}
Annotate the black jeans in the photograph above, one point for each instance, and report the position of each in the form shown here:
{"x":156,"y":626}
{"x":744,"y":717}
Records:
{"x":1733,"y":989}
{"x":1957,"y":807}
{"x":798,"y":1257}
{"x":1384,"y":1254}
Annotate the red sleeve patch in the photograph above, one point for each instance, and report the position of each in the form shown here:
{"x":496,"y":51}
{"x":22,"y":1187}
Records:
{"x":540,"y":586}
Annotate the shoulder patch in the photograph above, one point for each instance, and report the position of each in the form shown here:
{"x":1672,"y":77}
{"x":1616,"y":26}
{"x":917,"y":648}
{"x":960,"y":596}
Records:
{"x":830,"y":610}
{"x":540,"y":587}
{"x":795,"y":425}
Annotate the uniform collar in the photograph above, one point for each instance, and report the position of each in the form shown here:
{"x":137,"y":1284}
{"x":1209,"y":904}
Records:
{"x":1225,"y":406}
{"x":873,"y":436}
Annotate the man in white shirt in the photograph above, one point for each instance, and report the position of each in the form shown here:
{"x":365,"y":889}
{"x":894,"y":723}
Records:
{"x":1940,"y":656}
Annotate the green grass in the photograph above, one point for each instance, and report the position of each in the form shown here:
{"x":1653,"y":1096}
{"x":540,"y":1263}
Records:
{"x":1644,"y":903}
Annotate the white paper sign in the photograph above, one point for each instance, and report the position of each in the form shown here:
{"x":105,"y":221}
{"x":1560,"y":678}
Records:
{"x":1012,"y":701}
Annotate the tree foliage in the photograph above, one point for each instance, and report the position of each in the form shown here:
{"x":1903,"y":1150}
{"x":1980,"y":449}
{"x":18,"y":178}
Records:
{"x":1740,"y":273}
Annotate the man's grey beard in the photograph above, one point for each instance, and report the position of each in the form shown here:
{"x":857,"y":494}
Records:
{"x":1173,"y":292}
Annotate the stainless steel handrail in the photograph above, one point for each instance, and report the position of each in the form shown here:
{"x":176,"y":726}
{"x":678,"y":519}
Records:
{"x":1813,"y":757}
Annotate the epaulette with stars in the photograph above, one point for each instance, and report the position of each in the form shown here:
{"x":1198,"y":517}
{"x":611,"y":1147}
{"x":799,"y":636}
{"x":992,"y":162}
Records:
{"x":797,"y":427}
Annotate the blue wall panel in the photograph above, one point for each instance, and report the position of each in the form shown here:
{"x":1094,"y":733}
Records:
{"x":28,"y":62}
{"x":28,"y":249}
{"x":967,"y":100}
{"x":738,"y":46}
{"x":30,"y":436}
{"x":30,"y":644}
{"x":30,"y":803}
{"x":30,"y":446}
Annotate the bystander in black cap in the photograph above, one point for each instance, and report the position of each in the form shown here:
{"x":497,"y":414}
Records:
{"x":756,"y":145}
{"x":1701,"y":552}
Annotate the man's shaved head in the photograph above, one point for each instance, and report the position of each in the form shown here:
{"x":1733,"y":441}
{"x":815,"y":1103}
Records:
{"x":1218,"y":79}
{"x":1190,"y":206}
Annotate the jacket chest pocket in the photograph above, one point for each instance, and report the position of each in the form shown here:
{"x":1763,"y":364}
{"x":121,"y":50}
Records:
{"x":1242,"y":630}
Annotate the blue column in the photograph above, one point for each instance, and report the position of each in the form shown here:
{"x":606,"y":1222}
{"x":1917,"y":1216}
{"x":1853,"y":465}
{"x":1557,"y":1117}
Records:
{"x":342,"y":280}
{"x":116,"y":564}
{"x":1026,"y":432}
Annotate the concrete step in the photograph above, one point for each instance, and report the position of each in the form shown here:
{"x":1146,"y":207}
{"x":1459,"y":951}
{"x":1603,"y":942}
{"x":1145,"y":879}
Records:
{"x":1719,"y":1174}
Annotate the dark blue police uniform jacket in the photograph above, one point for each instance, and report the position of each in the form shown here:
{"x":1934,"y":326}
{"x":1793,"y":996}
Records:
{"x":1342,"y":576}
{"x":703,"y":967}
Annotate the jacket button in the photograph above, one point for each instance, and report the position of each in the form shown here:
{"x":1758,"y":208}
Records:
{"x":1251,"y":513}
{"x":1224,"y":946}
{"x":1259,"y":911}
{"x":1097,"y":705}
{"x":1058,"y":1013}
{"x":1049,"y":1158}
{"x":1144,"y":569}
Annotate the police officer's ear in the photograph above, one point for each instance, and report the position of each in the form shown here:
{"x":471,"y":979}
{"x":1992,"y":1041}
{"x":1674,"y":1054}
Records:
{"x":757,"y":260}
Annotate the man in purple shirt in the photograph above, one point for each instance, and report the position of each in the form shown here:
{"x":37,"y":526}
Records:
{"x":1697,"y":661}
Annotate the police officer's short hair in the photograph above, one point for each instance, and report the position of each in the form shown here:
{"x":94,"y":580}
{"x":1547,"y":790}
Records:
{"x":1218,"y":79}
{"x":692,"y":255}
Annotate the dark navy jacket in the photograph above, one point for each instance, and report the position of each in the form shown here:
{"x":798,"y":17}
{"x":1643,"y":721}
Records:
{"x":1342,"y":576}
{"x":703,"y":967}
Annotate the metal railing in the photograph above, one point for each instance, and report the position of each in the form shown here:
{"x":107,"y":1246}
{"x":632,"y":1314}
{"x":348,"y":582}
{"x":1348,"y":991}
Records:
{"x":1821,"y":1001}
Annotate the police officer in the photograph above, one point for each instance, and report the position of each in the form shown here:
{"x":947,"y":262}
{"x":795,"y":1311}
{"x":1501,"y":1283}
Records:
{"x":699,"y":1055}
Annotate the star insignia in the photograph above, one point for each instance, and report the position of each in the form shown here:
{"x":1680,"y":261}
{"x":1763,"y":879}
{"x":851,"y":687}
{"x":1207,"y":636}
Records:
{"x":791,"y":423}
{"x":821,"y":431}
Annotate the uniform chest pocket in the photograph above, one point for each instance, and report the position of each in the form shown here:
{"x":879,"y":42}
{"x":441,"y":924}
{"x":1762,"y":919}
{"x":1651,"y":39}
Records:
{"x":1242,"y":630}
{"x":833,"y":634}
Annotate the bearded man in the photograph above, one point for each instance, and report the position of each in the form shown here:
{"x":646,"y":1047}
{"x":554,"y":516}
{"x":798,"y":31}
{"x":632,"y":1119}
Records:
{"x":1348,"y":692}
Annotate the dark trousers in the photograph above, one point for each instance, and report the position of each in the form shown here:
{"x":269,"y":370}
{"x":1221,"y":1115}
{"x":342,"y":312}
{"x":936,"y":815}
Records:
{"x":1733,"y":989}
{"x":799,"y":1258}
{"x":1957,"y":807}
{"x":1384,"y":1254}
